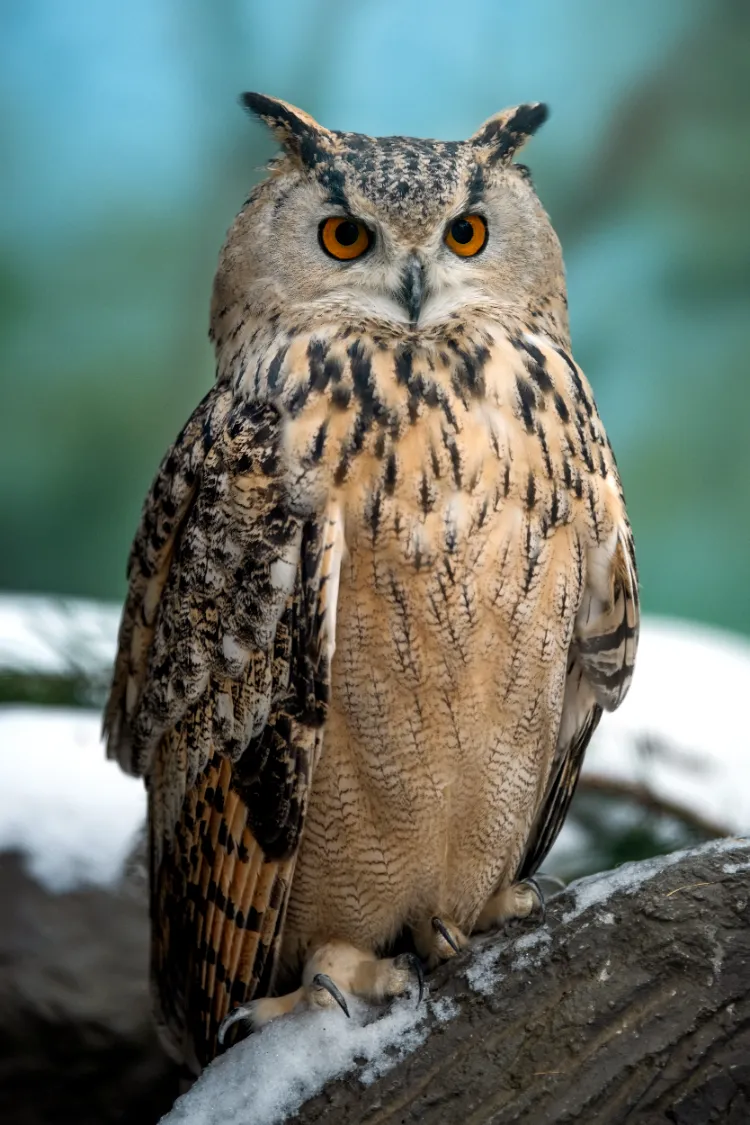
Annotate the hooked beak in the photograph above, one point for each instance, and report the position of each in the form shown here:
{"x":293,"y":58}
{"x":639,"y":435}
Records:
{"x":413,"y":287}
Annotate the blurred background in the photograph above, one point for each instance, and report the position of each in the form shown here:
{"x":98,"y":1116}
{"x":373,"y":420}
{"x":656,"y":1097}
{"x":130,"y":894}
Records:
{"x":123,"y":159}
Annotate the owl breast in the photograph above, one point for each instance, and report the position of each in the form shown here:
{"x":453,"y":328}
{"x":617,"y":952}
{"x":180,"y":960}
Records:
{"x":447,"y":678}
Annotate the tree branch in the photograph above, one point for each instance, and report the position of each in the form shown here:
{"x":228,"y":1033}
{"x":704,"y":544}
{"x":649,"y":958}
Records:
{"x":652,"y":802}
{"x":631,"y":1004}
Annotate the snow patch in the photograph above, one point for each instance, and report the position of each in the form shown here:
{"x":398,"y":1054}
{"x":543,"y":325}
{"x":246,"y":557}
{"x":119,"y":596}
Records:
{"x":595,"y":890}
{"x":268,"y":1076}
{"x":69,"y":811}
{"x":734,"y":868}
{"x":444,"y":1009}
{"x":482,"y":973}
{"x":682,"y":730}
{"x":527,"y":949}
{"x":532,"y":939}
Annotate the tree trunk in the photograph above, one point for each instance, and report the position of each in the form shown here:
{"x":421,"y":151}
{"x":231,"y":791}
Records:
{"x":631,"y":1005}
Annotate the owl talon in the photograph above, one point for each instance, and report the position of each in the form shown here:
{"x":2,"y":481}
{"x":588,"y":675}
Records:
{"x":235,"y":1016}
{"x":322,"y":980}
{"x":440,"y":927}
{"x":531,"y":882}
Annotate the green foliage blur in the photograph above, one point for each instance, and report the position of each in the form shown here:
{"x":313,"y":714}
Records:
{"x":124,"y":156}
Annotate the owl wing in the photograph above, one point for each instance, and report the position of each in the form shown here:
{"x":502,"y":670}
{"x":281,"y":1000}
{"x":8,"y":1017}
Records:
{"x":603,"y":648}
{"x":219,"y":695}
{"x":599,"y":671}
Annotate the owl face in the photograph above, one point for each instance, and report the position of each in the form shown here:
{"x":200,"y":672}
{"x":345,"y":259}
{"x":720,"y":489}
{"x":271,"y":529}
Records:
{"x":392,"y":229}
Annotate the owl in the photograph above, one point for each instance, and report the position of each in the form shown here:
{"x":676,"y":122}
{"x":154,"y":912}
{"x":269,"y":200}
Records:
{"x":382,"y":589}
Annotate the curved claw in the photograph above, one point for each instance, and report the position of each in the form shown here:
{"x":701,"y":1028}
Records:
{"x":415,"y":964}
{"x":235,"y":1016}
{"x":439,"y":927}
{"x":322,"y":980}
{"x":531,"y":882}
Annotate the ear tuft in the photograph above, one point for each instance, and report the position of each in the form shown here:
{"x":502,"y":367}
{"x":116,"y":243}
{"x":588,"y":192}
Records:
{"x":295,"y":130}
{"x":507,"y":132}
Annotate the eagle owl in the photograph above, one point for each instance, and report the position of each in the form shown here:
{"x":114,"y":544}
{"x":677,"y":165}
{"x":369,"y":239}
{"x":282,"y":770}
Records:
{"x":383,"y":584}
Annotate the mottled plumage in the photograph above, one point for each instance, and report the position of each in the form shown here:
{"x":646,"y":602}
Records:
{"x":383,"y":586}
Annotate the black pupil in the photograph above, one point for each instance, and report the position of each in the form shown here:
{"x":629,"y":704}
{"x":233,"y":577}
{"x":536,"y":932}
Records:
{"x":347,"y":233}
{"x":462,"y":231}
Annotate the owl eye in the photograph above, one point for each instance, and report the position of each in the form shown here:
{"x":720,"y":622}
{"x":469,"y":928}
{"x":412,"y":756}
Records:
{"x":344,"y":238}
{"x":466,"y":235}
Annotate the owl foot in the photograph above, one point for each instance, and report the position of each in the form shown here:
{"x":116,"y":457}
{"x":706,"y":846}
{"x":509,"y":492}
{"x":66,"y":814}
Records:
{"x":335,"y":969}
{"x":438,"y":940}
{"x":516,"y":901}
{"x":361,"y":974}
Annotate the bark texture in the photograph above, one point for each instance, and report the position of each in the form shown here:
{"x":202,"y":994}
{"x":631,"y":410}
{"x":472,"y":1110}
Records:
{"x":636,"y":1009}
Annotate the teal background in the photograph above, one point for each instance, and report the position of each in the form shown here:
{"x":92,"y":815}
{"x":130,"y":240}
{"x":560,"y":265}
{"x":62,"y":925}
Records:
{"x":124,"y":156}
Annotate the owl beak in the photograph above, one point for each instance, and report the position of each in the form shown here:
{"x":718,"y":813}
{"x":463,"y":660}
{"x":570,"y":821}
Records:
{"x":413,"y":287}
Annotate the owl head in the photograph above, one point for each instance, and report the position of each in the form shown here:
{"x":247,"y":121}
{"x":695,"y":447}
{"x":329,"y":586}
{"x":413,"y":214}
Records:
{"x":397,"y":230}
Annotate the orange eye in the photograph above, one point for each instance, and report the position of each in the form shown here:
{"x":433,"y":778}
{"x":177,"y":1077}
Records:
{"x":467,"y":235}
{"x":344,"y":238}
